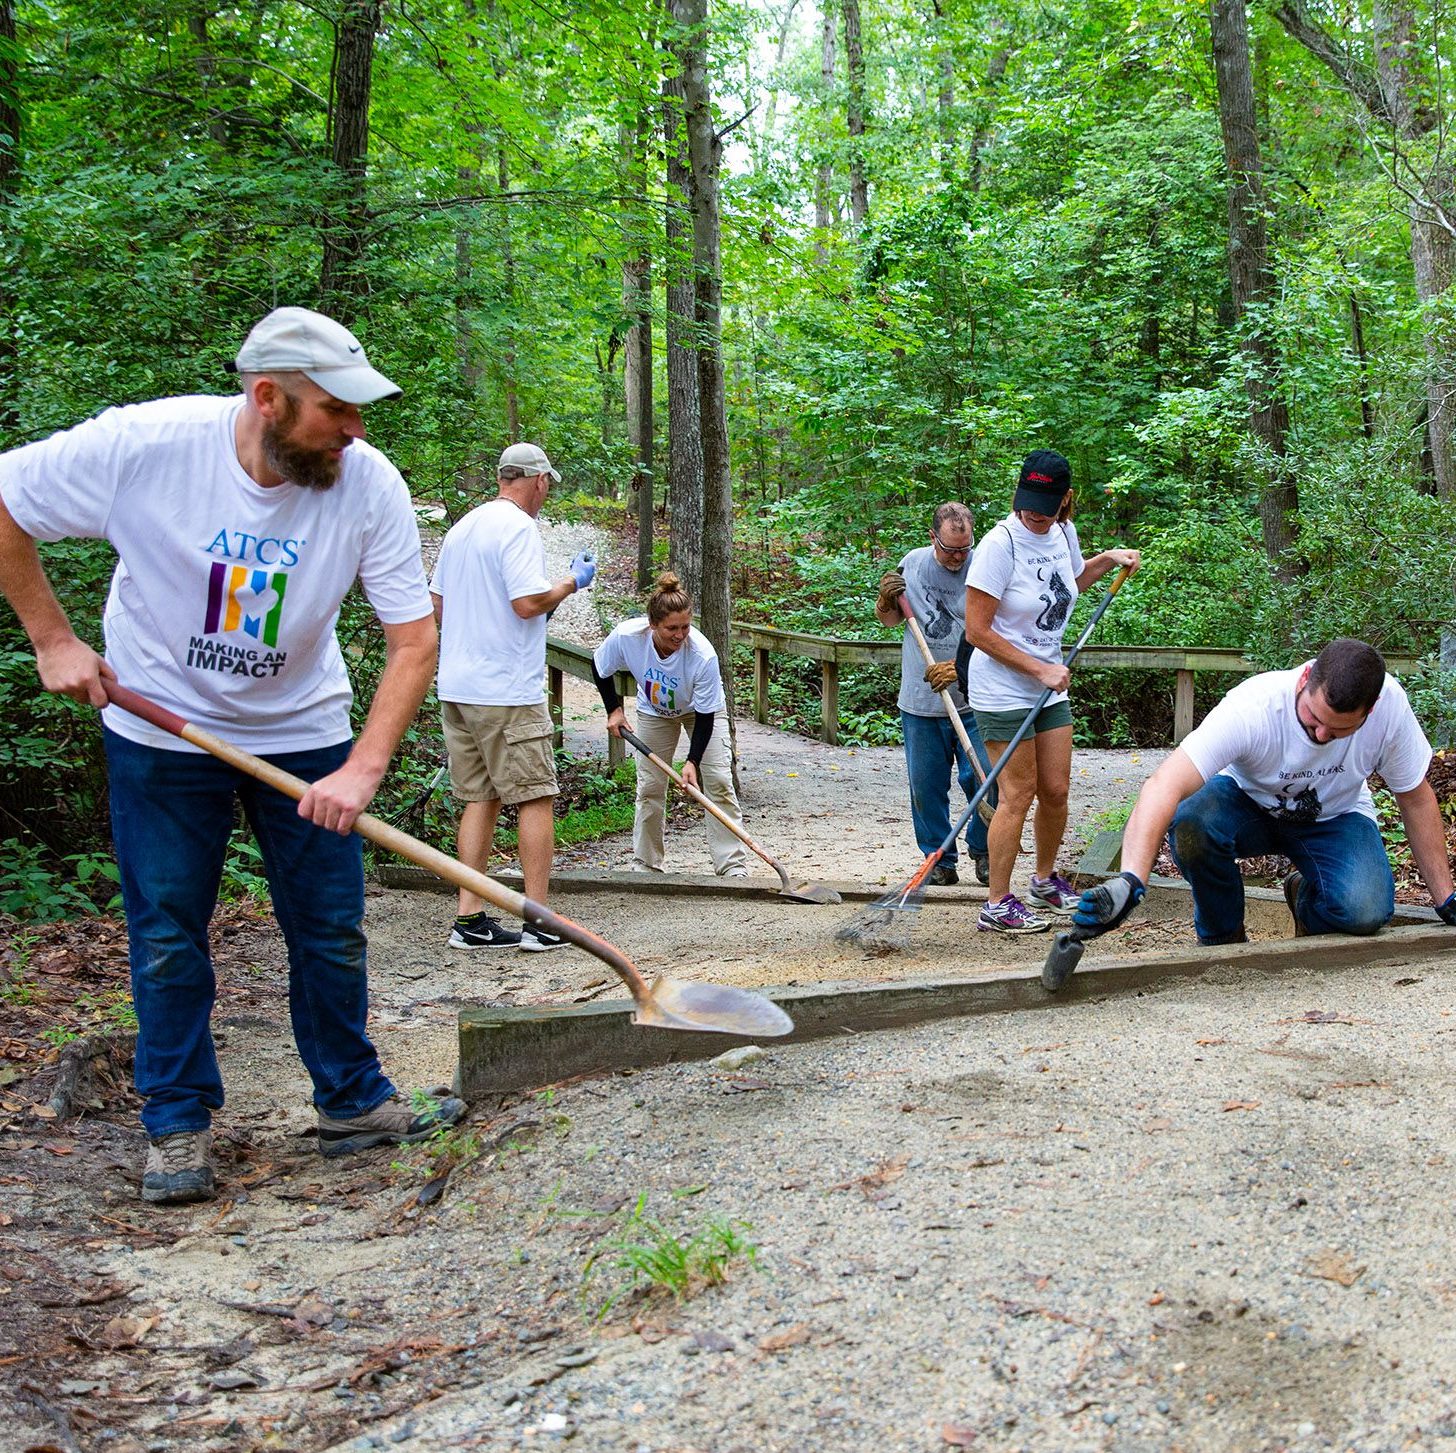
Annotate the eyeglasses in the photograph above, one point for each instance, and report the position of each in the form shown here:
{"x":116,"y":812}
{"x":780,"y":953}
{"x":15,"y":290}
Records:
{"x":950,"y":549}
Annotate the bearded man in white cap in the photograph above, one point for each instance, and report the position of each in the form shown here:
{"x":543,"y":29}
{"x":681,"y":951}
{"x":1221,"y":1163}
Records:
{"x":240,"y":523}
{"x":492,"y":597}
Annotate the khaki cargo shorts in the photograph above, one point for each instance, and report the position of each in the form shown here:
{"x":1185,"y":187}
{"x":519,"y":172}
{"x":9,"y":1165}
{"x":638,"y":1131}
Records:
{"x":499,"y":752}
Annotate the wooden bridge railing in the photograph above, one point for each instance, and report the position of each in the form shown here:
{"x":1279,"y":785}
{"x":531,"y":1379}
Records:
{"x":565,"y":659}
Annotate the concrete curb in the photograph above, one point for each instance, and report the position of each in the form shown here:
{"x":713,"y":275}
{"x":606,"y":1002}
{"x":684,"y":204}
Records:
{"x":505,"y":1049}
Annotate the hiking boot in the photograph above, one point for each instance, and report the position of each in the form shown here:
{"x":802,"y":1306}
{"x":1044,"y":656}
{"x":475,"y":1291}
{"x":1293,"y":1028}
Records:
{"x":535,"y":939}
{"x":400,"y":1120}
{"x":942,"y":875}
{"x":1293,"y":882}
{"x":179,"y":1169}
{"x":479,"y":930}
{"x":983,"y":869}
{"x":1054,"y":894}
{"x":1010,"y":915}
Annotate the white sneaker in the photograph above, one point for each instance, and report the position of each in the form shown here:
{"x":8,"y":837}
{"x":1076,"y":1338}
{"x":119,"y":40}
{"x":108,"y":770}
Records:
{"x":736,"y":872}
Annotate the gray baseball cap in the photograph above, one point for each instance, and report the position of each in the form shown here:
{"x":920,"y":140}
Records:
{"x":529,"y":457}
{"x":299,"y":340}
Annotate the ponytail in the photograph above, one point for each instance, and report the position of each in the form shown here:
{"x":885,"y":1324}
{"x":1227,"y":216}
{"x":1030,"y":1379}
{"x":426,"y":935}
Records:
{"x":667,"y":598}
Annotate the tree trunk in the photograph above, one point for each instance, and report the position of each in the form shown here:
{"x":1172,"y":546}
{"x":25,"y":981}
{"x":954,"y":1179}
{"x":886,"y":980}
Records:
{"x":637,"y":354}
{"x":1251,"y":276}
{"x":9,"y":187}
{"x":704,"y":154}
{"x":859,"y":192}
{"x":824,"y":177}
{"x":684,"y":413}
{"x":342,"y":282}
{"x":1406,"y":105}
{"x":945,"y":97}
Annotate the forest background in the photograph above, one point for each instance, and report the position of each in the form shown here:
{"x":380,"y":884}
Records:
{"x":774,"y":278}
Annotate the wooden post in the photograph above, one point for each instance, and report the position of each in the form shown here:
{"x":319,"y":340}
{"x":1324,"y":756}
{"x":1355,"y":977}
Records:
{"x":1182,"y":706}
{"x":556,"y":693}
{"x":616,"y":747}
{"x":760,"y":683}
{"x":830,"y":673}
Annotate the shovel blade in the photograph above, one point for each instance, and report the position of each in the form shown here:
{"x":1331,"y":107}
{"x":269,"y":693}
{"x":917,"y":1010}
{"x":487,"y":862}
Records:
{"x":711,"y":1008}
{"x":810,"y":893}
{"x":1066,"y":954}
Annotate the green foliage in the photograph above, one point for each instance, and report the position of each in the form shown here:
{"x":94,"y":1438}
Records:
{"x":643,"y":1254}
{"x":35,"y":886}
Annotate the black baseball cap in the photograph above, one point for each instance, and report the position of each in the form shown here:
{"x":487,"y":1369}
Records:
{"x":1045,"y":479}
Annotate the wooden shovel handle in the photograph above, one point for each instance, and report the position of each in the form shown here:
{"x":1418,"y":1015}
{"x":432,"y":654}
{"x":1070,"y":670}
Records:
{"x":703,"y":801}
{"x":913,"y":626}
{"x":387,"y":836}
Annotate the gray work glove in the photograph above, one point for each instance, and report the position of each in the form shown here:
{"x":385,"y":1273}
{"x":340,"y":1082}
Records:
{"x":892,"y":587}
{"x":1106,"y":905}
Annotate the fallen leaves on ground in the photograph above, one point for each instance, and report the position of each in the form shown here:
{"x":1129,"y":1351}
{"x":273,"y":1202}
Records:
{"x":792,"y":1337}
{"x":1337,"y":1266}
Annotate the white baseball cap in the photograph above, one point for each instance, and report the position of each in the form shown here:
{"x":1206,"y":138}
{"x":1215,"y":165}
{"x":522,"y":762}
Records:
{"x":529,"y":457}
{"x":299,"y":340}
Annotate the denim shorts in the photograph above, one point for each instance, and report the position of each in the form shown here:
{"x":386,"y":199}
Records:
{"x":1001,"y":726}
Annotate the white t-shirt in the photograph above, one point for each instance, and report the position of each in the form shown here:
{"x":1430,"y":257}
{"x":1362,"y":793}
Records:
{"x":667,"y":686}
{"x":489,"y":656}
{"x":224,"y":600}
{"x":1253,"y":736}
{"x":1034,"y":579}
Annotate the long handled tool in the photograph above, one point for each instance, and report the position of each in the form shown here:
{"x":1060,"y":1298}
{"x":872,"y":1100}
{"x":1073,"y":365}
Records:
{"x":799,"y":892}
{"x":986,"y":810}
{"x":883,"y":925}
{"x":665,"y":1004}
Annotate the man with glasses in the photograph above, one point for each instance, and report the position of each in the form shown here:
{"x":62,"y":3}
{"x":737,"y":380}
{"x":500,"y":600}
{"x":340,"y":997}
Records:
{"x":240,"y":524}
{"x":934,"y":580}
{"x":1280,"y":766}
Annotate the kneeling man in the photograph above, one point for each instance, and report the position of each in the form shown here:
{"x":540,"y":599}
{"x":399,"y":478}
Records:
{"x":1279,"y":766}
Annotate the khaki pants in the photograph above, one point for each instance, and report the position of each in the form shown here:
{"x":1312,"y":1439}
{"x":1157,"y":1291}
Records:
{"x":716,"y":773}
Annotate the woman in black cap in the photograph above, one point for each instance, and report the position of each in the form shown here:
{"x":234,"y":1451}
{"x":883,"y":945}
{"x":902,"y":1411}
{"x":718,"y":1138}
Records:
{"x":1023,"y":582}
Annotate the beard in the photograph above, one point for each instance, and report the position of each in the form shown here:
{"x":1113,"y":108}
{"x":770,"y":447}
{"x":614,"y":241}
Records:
{"x":309,"y":468}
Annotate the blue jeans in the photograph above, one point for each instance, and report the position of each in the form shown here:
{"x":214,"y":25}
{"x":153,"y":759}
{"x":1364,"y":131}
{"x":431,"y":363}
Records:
{"x":171,"y":815}
{"x":931,"y":747}
{"x":1348,"y":886}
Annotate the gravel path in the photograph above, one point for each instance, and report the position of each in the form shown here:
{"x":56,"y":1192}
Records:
{"x":1213,"y":1217}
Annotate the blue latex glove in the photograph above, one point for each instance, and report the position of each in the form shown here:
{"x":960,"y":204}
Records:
{"x":584,"y":569}
{"x":1447,"y":911}
{"x":1106,"y":905}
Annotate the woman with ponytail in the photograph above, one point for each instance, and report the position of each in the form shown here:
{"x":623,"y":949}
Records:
{"x":679,"y":686}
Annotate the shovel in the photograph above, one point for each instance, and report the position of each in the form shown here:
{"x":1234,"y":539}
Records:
{"x":799,"y":892}
{"x":985,"y":811}
{"x":666,"y":1004}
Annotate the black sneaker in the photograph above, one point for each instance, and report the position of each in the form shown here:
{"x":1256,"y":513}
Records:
{"x":179,"y":1169}
{"x":398,"y":1121}
{"x":942,"y":875}
{"x":535,"y":939}
{"x":1293,"y":882}
{"x":983,"y":870}
{"x":479,"y":930}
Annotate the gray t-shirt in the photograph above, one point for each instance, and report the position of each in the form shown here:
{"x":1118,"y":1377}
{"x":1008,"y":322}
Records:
{"x":938,"y":597}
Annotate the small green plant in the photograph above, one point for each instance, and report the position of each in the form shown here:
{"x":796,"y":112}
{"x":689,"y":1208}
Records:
{"x":59,"y":1035}
{"x":242,"y":870}
{"x":647,"y":1256}
{"x":37,"y":886}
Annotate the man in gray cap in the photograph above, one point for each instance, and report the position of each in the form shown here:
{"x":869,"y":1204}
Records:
{"x":492,"y":597}
{"x":240,"y":523}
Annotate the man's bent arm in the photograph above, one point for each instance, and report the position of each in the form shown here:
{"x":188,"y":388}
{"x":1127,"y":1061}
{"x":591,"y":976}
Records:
{"x":529,"y":606}
{"x":1426,"y":834}
{"x":65,"y":663}
{"x":336,"y":800}
{"x":1175,"y":780}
